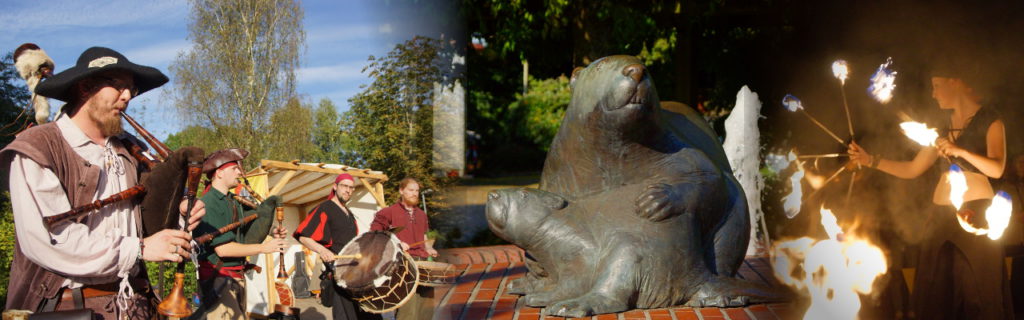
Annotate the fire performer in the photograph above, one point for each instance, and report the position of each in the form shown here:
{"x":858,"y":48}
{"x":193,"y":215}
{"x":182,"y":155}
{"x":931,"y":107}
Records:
{"x":222,"y":263}
{"x":326,"y":230}
{"x":959,"y":275}
{"x":414,"y":224}
{"x":95,"y":262}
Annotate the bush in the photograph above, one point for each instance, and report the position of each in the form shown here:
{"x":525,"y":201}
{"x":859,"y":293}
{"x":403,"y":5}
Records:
{"x":542,"y":108}
{"x":6,"y":242}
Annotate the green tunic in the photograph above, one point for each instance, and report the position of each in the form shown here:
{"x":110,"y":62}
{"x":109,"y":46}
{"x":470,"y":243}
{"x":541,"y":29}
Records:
{"x":220,"y":210}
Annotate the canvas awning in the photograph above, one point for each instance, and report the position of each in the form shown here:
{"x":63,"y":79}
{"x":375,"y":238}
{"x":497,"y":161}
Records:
{"x":302,"y":184}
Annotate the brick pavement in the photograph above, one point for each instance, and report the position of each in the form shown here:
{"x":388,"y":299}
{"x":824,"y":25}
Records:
{"x":480,"y":292}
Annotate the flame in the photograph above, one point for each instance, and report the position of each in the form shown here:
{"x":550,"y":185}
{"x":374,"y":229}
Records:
{"x":792,"y":103}
{"x":883,"y":82}
{"x":831,"y":224}
{"x":920,"y":133}
{"x":957,"y":185}
{"x":997,"y":215}
{"x":840,"y":71}
{"x":816,"y":181}
{"x":792,"y":202}
{"x":833,"y":272}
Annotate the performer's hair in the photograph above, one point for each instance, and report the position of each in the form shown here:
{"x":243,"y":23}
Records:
{"x":82,"y":89}
{"x":405,"y":182}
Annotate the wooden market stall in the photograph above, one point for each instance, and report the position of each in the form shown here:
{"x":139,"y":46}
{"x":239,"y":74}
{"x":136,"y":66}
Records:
{"x":302,"y":186}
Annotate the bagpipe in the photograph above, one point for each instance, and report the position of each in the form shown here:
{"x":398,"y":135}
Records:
{"x":165,"y":179}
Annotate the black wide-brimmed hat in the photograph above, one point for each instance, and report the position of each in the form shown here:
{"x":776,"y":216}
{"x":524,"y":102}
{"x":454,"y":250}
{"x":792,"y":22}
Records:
{"x":220,"y":157}
{"x":95,"y":60}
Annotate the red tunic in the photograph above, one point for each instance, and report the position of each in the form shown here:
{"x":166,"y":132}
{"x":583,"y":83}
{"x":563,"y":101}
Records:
{"x":329,"y":225}
{"x":415,"y":226}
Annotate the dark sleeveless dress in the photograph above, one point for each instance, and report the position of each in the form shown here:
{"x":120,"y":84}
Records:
{"x":962,"y":275}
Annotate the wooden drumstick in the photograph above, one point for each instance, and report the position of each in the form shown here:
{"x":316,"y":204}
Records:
{"x":349,"y":256}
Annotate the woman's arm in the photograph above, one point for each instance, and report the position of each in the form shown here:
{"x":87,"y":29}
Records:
{"x":901,"y":169}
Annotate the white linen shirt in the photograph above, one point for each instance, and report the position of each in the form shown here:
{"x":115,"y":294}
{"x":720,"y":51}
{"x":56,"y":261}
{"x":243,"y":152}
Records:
{"x":102,"y":250}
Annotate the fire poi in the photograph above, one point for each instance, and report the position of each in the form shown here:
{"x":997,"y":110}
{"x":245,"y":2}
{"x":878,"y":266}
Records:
{"x":793,"y":104}
{"x":998,"y":213}
{"x":836,"y":272}
{"x":883,"y":82}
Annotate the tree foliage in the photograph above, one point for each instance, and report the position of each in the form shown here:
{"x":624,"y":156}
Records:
{"x":699,"y":53}
{"x":15,"y":112}
{"x":6,"y":242}
{"x":240,"y":71}
{"x":290,"y":126}
{"x":542,"y":108}
{"x":330,"y":143}
{"x":391,"y":121}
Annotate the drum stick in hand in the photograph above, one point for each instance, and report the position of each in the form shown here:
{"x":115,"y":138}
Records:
{"x":349,"y":256}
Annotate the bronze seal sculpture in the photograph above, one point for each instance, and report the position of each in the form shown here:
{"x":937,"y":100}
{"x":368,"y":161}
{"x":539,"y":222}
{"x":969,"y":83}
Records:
{"x":638,"y":207}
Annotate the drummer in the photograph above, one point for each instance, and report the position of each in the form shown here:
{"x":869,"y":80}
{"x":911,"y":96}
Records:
{"x":414,"y":224}
{"x":326,"y":230}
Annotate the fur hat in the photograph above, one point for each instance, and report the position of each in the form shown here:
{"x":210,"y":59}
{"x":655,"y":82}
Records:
{"x":95,"y":60}
{"x":34,"y":65}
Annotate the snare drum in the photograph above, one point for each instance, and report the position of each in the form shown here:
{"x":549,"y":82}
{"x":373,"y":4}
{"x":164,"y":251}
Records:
{"x":435,"y":274}
{"x":383,"y":279}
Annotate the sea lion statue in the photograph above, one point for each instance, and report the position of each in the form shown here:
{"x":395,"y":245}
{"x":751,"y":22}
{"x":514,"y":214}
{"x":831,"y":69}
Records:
{"x":648,"y":192}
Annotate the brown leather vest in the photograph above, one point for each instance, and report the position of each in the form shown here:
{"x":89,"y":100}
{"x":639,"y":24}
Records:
{"x":30,"y":283}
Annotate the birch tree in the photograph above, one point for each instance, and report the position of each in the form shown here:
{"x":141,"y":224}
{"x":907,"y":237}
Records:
{"x":239,"y":71}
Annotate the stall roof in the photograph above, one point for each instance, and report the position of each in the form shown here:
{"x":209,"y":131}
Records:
{"x":300,"y":184}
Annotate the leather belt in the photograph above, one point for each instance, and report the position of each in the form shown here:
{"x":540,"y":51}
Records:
{"x":92,"y":291}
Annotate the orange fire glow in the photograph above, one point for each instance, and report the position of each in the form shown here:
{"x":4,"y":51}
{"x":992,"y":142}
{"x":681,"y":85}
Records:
{"x":833,"y":272}
{"x":920,"y":133}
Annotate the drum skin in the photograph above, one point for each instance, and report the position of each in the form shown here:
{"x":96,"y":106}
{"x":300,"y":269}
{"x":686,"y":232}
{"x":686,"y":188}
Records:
{"x":383,"y":279}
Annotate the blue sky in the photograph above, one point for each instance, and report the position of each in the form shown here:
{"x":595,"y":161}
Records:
{"x":340,"y":35}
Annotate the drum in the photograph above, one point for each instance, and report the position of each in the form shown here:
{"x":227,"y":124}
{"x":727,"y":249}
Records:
{"x":435,"y":274}
{"x":383,"y":279}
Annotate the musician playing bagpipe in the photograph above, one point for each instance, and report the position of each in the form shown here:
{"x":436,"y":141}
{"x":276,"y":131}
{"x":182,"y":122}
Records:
{"x":95,"y":260}
{"x":222,"y":261}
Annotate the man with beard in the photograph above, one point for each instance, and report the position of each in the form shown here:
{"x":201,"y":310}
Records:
{"x":326,"y":230}
{"x":96,"y":261}
{"x":414,"y":225}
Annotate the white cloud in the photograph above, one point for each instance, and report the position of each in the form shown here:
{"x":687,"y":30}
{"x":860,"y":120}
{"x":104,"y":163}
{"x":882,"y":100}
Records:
{"x":158,"y":54}
{"x":332,"y":73}
{"x":333,"y":34}
{"x":72,"y":13}
{"x":385,"y":28}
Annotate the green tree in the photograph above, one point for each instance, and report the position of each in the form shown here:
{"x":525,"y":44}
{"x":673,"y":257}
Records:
{"x":240,"y":71}
{"x":193,"y":135}
{"x":291,"y":125}
{"x":6,"y":242}
{"x":332,"y":145}
{"x":391,"y":120}
{"x":15,"y":113}
{"x":542,"y":109}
